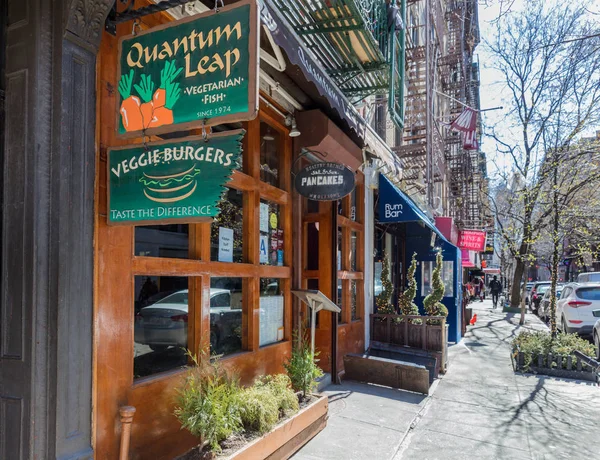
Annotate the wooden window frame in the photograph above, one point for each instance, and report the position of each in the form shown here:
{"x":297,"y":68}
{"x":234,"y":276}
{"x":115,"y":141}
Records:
{"x":200,"y":269}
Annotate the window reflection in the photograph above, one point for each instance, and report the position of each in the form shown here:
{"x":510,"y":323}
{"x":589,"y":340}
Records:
{"x":227,"y":229}
{"x":340,"y":299}
{"x":271,"y":329}
{"x":269,"y":154}
{"x":160,"y":324}
{"x":353,"y":300}
{"x":162,"y":241}
{"x":353,"y":253}
{"x":225,"y":315}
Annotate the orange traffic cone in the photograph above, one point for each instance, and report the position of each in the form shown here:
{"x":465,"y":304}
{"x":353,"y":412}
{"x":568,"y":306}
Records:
{"x":473,"y":319}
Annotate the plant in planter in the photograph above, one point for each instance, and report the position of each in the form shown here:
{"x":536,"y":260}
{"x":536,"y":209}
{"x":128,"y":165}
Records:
{"x":208,"y":403}
{"x":264,"y":403}
{"x":214,"y":407}
{"x":431,"y":303}
{"x":383,"y":301}
{"x":405,"y":301}
{"x":302,"y":367}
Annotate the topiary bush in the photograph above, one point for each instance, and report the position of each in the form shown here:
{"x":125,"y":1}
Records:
{"x":431,"y":303}
{"x":405,"y":301}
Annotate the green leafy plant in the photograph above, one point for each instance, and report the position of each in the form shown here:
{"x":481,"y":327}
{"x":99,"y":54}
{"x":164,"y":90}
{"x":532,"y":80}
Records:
{"x":262,"y":405}
{"x":208,"y":403}
{"x":541,"y":343}
{"x":431,"y":303}
{"x":405,"y":301}
{"x":302,"y":367}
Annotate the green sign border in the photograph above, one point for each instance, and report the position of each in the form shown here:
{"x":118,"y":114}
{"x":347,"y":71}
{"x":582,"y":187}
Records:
{"x":175,"y":220}
{"x":253,"y":69}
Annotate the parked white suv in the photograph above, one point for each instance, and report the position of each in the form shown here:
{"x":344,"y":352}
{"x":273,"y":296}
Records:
{"x":574,"y":309}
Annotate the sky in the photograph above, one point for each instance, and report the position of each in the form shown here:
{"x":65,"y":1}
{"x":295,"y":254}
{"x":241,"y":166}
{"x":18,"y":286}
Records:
{"x":491,"y":87}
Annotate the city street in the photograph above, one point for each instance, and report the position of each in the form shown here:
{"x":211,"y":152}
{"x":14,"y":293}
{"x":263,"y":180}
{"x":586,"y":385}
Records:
{"x":479,"y":410}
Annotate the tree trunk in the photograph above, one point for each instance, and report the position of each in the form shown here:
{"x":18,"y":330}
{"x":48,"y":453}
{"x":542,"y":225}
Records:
{"x":555,"y":250}
{"x":515,"y":295}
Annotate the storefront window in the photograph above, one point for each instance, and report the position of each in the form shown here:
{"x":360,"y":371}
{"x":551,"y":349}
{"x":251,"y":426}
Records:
{"x":270,"y":244}
{"x":225,"y":315}
{"x":160,"y":324}
{"x":271,"y":328}
{"x":447,"y":277}
{"x":340,"y":300}
{"x":353,"y":300}
{"x":269,"y":154}
{"x":312,"y":206}
{"x":353,"y":253}
{"x":162,"y":241}
{"x":312,"y":246}
{"x":352,"y":215}
{"x":340,"y":265}
{"x":227,"y":229}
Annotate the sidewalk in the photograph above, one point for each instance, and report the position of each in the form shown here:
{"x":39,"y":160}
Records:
{"x":479,"y":410}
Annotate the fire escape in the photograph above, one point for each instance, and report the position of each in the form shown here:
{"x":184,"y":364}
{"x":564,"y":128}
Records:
{"x":354,"y":42}
{"x":422,"y":147}
{"x":467,"y":168}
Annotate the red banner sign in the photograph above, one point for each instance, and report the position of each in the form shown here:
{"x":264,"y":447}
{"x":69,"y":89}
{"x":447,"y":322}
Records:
{"x":473,"y":240}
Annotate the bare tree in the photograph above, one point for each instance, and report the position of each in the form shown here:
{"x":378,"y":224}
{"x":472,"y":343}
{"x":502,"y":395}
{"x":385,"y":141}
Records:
{"x":553,"y":96}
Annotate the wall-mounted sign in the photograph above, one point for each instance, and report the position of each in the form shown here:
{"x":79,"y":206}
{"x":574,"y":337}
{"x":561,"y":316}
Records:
{"x":473,"y":240}
{"x":171,"y":181}
{"x":201,"y":69}
{"x":325,"y":181}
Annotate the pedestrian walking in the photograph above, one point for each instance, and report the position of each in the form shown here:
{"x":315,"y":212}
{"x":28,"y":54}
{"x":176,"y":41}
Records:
{"x":495,"y":288}
{"x":481,"y":289}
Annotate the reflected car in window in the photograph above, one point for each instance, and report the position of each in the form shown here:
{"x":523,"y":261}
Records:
{"x":164,"y":323}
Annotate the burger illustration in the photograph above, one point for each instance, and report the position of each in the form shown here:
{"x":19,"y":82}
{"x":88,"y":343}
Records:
{"x":171,"y":188}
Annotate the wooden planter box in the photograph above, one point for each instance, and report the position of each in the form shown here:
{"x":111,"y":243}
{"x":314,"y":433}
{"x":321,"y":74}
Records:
{"x":556,"y":366}
{"x":388,"y":331}
{"x":284,"y":439}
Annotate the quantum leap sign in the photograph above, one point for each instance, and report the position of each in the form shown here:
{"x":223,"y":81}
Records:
{"x":325,"y":181}
{"x":472,"y":240}
{"x":181,"y":75}
{"x":171,"y":181}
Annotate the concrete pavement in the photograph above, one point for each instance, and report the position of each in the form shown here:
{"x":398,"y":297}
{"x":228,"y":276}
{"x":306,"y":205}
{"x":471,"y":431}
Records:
{"x":479,"y":410}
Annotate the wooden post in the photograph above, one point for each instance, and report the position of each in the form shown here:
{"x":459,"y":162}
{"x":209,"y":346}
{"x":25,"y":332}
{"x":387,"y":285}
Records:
{"x":127,"y":413}
{"x":424,"y":336}
{"x":406,"y":320}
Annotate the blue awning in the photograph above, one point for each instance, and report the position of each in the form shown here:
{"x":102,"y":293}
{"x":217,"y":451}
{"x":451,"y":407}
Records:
{"x":395,"y":206}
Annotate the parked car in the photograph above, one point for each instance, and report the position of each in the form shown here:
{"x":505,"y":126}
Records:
{"x":574,"y":310}
{"x":535,"y":294}
{"x":544,"y":308}
{"x":164,"y":324}
{"x":596,"y":333}
{"x":589,"y":277}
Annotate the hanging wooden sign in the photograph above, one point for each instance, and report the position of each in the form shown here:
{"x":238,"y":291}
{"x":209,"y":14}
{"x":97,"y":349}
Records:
{"x":325,"y":181}
{"x":171,"y":181}
{"x":196,"y":71}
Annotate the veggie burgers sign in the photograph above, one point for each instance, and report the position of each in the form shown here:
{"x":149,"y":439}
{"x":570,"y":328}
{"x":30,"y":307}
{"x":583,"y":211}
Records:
{"x":171,"y":181}
{"x":199,"y":70}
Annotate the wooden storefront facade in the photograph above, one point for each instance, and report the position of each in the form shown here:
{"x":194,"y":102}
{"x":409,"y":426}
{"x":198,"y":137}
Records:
{"x":119,"y":270}
{"x":81,"y":281}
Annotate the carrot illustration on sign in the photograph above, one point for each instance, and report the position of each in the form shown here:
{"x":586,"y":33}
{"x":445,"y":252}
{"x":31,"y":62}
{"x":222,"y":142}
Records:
{"x":131,"y":114}
{"x":157,"y":106}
